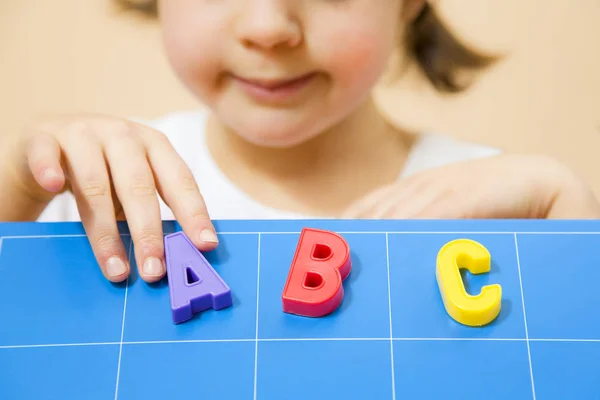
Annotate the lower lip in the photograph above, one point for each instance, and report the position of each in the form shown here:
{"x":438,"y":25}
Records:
{"x":278,"y":94}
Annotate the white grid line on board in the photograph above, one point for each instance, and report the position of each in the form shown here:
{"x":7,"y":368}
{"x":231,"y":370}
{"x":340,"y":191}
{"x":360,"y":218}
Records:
{"x":309,"y":339}
{"x":387,"y":261}
{"x":123,"y":325}
{"x":256,"y":328}
{"x":524,"y":317}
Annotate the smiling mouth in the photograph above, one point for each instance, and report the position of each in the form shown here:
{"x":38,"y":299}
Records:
{"x":274,"y":84}
{"x":274,"y":90}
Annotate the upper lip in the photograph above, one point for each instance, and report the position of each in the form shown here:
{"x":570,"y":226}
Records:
{"x":272,"y":83}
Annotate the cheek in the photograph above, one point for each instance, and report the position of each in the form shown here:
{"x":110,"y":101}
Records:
{"x":355,"y":67}
{"x":194,"y":57}
{"x":355,"y":54}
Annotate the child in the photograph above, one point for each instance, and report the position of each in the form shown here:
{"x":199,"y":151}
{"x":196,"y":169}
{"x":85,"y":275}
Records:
{"x":291,"y":132}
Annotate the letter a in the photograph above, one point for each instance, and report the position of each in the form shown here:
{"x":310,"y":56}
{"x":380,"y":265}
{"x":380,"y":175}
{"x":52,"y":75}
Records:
{"x":194,"y":285}
{"x":314,"y":284}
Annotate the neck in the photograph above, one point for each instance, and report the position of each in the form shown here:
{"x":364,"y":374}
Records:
{"x":322,"y":175}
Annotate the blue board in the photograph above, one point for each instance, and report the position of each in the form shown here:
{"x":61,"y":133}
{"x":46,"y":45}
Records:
{"x":67,"y":333}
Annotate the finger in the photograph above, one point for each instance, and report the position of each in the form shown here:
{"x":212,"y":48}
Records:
{"x":178,"y":188}
{"x":398,"y":203}
{"x":402,"y":200}
{"x":387,"y":204}
{"x":365,"y":206}
{"x":43,"y":159}
{"x":136,"y":190}
{"x":378,"y":204}
{"x":443,"y":210}
{"x":424,"y":206}
{"x":424,"y":203}
{"x":91,"y":187}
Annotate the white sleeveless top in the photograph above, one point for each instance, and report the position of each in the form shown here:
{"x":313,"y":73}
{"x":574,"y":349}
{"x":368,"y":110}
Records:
{"x":224,"y":200}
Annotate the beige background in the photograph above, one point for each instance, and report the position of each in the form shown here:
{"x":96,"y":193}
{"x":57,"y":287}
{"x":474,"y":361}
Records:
{"x":544,"y":97}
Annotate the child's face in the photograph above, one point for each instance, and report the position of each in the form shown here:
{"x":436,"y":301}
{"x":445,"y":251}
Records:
{"x":280,"y":71}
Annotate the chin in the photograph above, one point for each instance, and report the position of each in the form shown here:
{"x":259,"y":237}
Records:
{"x":274,"y":136}
{"x":276,"y":129}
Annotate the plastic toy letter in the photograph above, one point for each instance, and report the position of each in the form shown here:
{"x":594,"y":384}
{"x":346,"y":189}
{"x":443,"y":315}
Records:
{"x":314,"y":284}
{"x":469,"y":310}
{"x":194,"y":285}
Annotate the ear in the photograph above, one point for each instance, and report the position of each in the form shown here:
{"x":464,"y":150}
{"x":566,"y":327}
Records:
{"x":412,"y":8}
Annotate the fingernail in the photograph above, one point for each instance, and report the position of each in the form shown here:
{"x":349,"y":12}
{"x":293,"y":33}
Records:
{"x":208,"y":235}
{"x":115,"y":267}
{"x":51,"y":180}
{"x":153,"y":267}
{"x":49,"y":174}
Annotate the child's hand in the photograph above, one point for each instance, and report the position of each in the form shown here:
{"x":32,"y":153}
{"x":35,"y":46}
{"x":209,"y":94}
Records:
{"x":507,"y":186}
{"x":113,"y":166}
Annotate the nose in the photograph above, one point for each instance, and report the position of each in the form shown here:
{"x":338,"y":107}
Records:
{"x":268,"y":24}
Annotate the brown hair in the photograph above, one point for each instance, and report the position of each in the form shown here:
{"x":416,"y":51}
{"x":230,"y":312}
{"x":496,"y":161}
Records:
{"x":439,"y":54}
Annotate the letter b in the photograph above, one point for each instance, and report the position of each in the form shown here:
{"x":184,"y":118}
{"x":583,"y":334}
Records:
{"x":314,"y":284}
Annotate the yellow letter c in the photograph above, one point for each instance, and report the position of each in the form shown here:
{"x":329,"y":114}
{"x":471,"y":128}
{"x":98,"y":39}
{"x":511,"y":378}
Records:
{"x":466,"y":309}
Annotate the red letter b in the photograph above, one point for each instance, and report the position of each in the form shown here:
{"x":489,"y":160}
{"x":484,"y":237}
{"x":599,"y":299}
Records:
{"x":314,"y":284}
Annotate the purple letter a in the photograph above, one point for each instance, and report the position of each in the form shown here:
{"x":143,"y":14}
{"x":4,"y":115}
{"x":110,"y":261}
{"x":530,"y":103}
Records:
{"x":194,"y":285}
